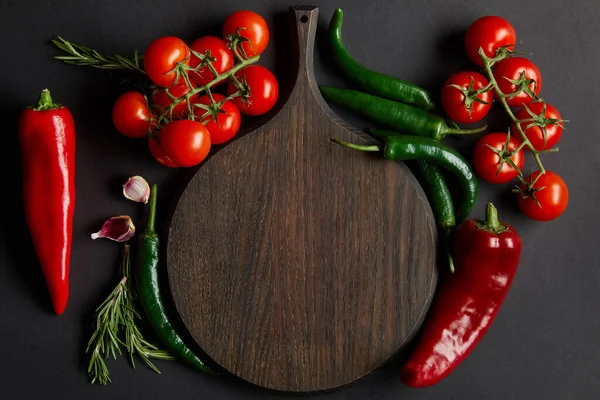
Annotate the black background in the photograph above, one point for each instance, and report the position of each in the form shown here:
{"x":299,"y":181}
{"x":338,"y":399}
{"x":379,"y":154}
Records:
{"x":544,"y":343}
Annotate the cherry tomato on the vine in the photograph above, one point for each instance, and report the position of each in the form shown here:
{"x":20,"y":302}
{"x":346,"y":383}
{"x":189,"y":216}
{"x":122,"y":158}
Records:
{"x":512,"y":68}
{"x":487,"y":162}
{"x":252,"y":26}
{"x":490,"y":33}
{"x":223,"y":59}
{"x":228,"y":120}
{"x":161,"y":99}
{"x":161,"y":58}
{"x":551,"y":192}
{"x":158,"y":153}
{"x":185,"y":142}
{"x":263,"y":88}
{"x":131,"y":115}
{"x":461,"y":105}
{"x":535,"y":133}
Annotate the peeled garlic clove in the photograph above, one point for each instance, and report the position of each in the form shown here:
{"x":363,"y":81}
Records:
{"x":118,"y":229}
{"x":137,"y":189}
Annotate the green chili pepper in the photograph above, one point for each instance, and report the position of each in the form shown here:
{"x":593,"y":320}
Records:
{"x":372,"y":81}
{"x":406,"y":147}
{"x":150,"y":296}
{"x":397,"y":116}
{"x":438,"y":193}
{"x":441,"y":203}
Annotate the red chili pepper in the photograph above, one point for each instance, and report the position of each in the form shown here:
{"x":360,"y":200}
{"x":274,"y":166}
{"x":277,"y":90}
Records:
{"x":47,"y":138}
{"x":487,"y":255}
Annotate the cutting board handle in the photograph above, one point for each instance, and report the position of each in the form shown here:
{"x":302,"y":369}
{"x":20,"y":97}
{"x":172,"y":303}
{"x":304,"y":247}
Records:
{"x":306,"y":18}
{"x":306,"y":28}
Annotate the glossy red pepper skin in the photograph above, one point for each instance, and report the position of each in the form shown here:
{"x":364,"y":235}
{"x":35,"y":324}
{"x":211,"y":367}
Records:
{"x":47,"y":141}
{"x":486,"y":256}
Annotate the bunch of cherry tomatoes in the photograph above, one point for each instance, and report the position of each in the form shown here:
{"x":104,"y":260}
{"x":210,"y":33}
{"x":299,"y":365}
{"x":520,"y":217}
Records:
{"x":198,"y":92}
{"x":498,"y":157}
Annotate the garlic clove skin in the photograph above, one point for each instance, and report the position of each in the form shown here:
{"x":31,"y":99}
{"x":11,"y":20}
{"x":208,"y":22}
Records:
{"x":118,"y":229}
{"x":136,"y":189}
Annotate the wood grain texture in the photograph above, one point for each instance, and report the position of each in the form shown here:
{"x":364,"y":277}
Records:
{"x":295,"y":263}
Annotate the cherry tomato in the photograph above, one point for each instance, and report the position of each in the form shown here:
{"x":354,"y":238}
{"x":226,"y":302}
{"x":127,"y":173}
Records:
{"x":490,"y":33}
{"x":162,"y":56}
{"x":227,"y":123}
{"x":161,"y":98}
{"x":465,"y":109}
{"x":185,"y":142}
{"x":131,"y":115}
{"x":263,"y":90}
{"x":512,"y":68}
{"x":252,"y":26}
{"x":553,"y":198}
{"x":486,"y":161}
{"x":535,"y":134}
{"x":158,"y":154}
{"x":219,"y":50}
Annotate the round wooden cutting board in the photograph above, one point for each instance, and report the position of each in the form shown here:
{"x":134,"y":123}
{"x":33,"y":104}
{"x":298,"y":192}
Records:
{"x":295,"y":263}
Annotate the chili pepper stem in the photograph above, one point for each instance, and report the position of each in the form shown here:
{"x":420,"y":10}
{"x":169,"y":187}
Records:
{"x":152,"y":212}
{"x":491,"y":216}
{"x":361,"y":147}
{"x":454,"y":131}
{"x":45,"y":102}
{"x":447,"y":239}
{"x":491,"y":222}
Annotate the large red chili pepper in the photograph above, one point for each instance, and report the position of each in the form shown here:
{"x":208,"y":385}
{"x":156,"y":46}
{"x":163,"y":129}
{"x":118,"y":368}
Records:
{"x":47,"y":138}
{"x":487,"y":255}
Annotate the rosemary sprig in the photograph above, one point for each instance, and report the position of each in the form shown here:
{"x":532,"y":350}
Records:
{"x":116,"y":316}
{"x":82,"y":55}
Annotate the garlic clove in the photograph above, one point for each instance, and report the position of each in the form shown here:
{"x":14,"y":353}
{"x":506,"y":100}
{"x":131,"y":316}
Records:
{"x":118,"y":229}
{"x":137,"y":189}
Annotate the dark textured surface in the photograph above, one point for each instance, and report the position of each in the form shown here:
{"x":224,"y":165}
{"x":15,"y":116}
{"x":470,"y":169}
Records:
{"x":544,"y":343}
{"x":297,"y":264}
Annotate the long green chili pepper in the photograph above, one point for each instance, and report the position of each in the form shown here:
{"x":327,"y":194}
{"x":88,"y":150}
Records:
{"x":372,"y":81}
{"x":395,"y":115}
{"x":405,"y":147}
{"x":439,"y":195}
{"x":441,"y":203}
{"x":150,"y":296}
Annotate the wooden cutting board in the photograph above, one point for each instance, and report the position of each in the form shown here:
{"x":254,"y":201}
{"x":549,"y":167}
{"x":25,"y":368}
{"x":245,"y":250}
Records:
{"x":295,"y":263}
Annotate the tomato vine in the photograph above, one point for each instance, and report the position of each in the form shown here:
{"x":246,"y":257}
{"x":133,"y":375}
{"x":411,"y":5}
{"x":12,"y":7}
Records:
{"x":523,"y":86}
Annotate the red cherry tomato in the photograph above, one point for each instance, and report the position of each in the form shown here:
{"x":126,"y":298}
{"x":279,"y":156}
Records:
{"x":227,"y":123}
{"x":131,"y":115}
{"x":162,"y":56}
{"x":185,"y":142}
{"x":161,"y":98}
{"x":219,"y":50}
{"x":263,"y":90}
{"x":512,"y":68}
{"x":490,"y":33}
{"x":553,"y":198}
{"x":460,"y":108}
{"x":252,"y":26}
{"x":535,"y":134}
{"x":486,"y":161}
{"x":158,"y":154}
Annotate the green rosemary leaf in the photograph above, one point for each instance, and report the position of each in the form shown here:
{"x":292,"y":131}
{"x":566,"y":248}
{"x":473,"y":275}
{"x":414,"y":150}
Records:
{"x":86,"y":56}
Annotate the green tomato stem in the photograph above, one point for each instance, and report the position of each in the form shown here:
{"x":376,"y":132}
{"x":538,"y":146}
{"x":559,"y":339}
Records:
{"x":230,"y":74}
{"x":487,"y":62}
